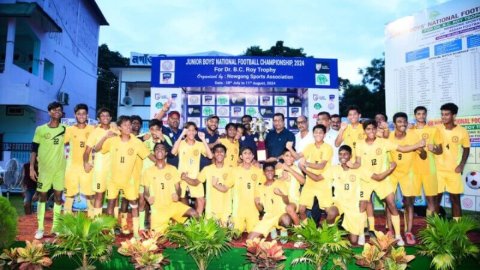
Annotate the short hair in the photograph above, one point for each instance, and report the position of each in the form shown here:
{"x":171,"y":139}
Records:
{"x":368,"y":122}
{"x":247,"y":116}
{"x":102,"y":110}
{"x":122,"y":119}
{"x":54,"y":105}
{"x":285,"y":150}
{"x":279,"y":114}
{"x":325,"y":113}
{"x":320,"y":126}
{"x":269,"y":165}
{"x":136,"y":117}
{"x":80,"y":106}
{"x":334,"y":116}
{"x":174,"y":113}
{"x":155,"y":122}
{"x":246,"y":148}
{"x":383,"y":114}
{"x":229,"y":125}
{"x":449,"y":107}
{"x":353,"y":108}
{"x":191,"y":124}
{"x":399,"y":115}
{"x":345,"y":148}
{"x":221,"y":146}
{"x":240,"y":125}
{"x":420,"y":108}
{"x":159,"y":144}
{"x":302,"y":116}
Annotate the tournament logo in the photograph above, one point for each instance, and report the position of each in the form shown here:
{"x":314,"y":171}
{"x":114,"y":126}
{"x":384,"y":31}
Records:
{"x":455,"y":139}
{"x":378,"y":151}
{"x":47,"y":136}
{"x":360,"y":136}
{"x":196,"y":152}
{"x":168,"y":176}
{"x":130,"y":151}
{"x":352,"y":178}
{"x":224,"y":176}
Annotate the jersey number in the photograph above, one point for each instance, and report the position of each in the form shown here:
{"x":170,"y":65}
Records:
{"x":232,"y":157}
{"x":163,"y":185}
{"x":122,"y":159}
{"x":374,"y":162}
{"x":399,"y":156}
{"x":249,"y":186}
{"x":82,"y":144}
{"x":56,"y":141}
{"x":347,"y":187}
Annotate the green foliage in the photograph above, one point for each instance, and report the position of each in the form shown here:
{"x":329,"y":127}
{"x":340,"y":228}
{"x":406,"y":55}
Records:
{"x":8,"y":223}
{"x":277,"y":50}
{"x":324,"y":244}
{"x":446,"y":241}
{"x":204,"y":239}
{"x":33,"y":256}
{"x":83,"y":239}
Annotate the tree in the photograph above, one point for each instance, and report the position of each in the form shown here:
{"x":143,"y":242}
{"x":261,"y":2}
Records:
{"x":107,"y":82}
{"x":277,"y":50}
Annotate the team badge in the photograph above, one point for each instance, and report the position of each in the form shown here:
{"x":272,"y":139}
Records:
{"x":47,"y":136}
{"x":168,"y":176}
{"x":130,"y":151}
{"x":254,"y":177}
{"x":360,"y":136}
{"x":425,"y":136}
{"x":378,"y":151}
{"x":196,"y":152}
{"x":455,"y":139}
{"x":224,"y":176}
{"x":353,"y":178}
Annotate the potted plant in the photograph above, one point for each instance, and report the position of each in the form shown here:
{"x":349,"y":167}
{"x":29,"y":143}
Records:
{"x":324,"y":244}
{"x":83,"y":239}
{"x":34,"y":256}
{"x":265,"y":254}
{"x":446,"y":241}
{"x":381,"y":254}
{"x":202,"y":238}
{"x":145,"y":253}
{"x":8,"y":223}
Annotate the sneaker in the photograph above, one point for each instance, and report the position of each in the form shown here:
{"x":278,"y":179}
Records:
{"x":126,"y":231}
{"x":274,"y":234}
{"x":400,"y":242}
{"x":361,"y":240}
{"x":39,"y":234}
{"x":372,"y":235}
{"x":283,"y":237}
{"x":410,"y":238}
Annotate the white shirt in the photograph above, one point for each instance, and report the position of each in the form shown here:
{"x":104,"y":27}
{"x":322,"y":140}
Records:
{"x":300,"y":142}
{"x":330,"y":138}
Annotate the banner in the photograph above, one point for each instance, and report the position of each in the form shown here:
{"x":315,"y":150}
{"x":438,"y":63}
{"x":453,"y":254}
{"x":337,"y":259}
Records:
{"x":160,"y":96}
{"x":244,"y":72}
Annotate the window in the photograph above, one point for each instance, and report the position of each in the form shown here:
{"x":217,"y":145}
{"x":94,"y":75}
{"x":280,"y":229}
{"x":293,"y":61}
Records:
{"x":139,"y":92}
{"x":48,"y":71}
{"x":27,"y":48}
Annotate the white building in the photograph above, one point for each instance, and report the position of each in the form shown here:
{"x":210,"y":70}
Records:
{"x":48,"y":52}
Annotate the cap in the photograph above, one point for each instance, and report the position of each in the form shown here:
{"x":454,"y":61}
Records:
{"x":213,"y":117}
{"x":174,"y":112}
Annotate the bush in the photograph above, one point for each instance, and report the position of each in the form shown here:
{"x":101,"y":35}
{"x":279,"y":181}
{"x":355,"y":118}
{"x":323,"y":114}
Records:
{"x":8,"y":223}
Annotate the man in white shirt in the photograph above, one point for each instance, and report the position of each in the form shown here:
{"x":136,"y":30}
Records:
{"x":331,"y":134}
{"x":304,"y":136}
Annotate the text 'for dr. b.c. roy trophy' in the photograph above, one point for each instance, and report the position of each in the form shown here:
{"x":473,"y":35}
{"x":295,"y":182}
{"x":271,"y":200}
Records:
{"x":259,"y":127}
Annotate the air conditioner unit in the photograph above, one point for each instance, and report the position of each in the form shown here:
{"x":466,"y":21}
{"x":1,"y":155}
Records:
{"x":127,"y":101}
{"x":62,"y":97}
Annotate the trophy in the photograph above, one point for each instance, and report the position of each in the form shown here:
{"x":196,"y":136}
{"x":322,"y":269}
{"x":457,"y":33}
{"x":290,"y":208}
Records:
{"x":259,"y":127}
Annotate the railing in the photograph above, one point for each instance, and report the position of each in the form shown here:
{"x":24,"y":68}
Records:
{"x":19,"y":151}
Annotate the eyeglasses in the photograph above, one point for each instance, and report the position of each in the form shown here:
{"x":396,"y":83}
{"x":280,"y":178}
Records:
{"x":301,"y":122}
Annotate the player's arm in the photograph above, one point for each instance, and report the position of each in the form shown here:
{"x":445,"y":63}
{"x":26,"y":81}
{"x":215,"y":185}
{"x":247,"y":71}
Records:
{"x":176,"y":146}
{"x":299,"y":177}
{"x":312,"y":176}
{"x":316,"y":166}
{"x":296,"y":155}
{"x":209,"y":155}
{"x":258,"y":204}
{"x":278,"y":192}
{"x":211,"y":145}
{"x":33,"y":159}
{"x":410,"y":148}
{"x":218,"y":186}
{"x":190,"y":181}
{"x":385,"y":131}
{"x":383,"y":175}
{"x":86,"y":156}
{"x":339,"y":139}
{"x":150,"y":199}
{"x":461,"y":166}
{"x":422,"y":153}
{"x":161,"y":113}
{"x":99,"y":145}
{"x":436,"y":149}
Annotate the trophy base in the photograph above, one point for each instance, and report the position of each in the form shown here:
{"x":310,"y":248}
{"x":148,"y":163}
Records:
{"x":261,"y":155}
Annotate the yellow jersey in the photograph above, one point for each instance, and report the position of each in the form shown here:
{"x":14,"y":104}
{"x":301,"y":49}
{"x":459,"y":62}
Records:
{"x":317,"y":154}
{"x":431,"y":135}
{"x":353,"y":135}
{"x":292,"y":184}
{"x":100,"y":160}
{"x":77,"y":138}
{"x":247,"y":185}
{"x":374,"y":156}
{"x":123,"y":157}
{"x":272,"y":203}
{"x":218,"y":202}
{"x":189,"y":158}
{"x":404,"y":160}
{"x":232,"y":155}
{"x":161,"y":184}
{"x":453,"y":143}
{"x":347,"y":185}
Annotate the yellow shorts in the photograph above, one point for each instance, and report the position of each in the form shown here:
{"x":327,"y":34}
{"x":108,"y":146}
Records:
{"x":268,"y":223}
{"x":307,"y":197}
{"x":129,"y":190}
{"x":49,"y":180}
{"x":409,"y":185}
{"x":429,"y":183}
{"x":352,"y":222}
{"x":161,"y":216}
{"x":78,"y":181}
{"x":450,"y":182}
{"x":100,"y":177}
{"x":245,"y":222}
{"x":382,"y":188}
{"x":195,"y":191}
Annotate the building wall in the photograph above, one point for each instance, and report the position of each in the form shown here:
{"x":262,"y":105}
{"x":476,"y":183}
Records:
{"x":125,"y":76}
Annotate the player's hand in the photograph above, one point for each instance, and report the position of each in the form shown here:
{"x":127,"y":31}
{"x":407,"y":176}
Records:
{"x":184,"y":176}
{"x":150,"y":200}
{"x":201,"y":135}
{"x":214,"y":181}
{"x":175,"y":197}
{"x":113,"y":126}
{"x":289,"y":145}
{"x":184,"y":133}
{"x":167,"y":105}
{"x":421,"y":143}
{"x":88,"y":167}
{"x":254,"y":163}
{"x":285,"y":167}
{"x":278,"y":192}
{"x":343,"y":126}
{"x":393,"y":165}
{"x":350,"y":164}
{"x":33,"y":174}
{"x":146,"y":136}
{"x":110,"y":134}
{"x":431,"y":147}
{"x":383,"y":125}
{"x":459,"y":168}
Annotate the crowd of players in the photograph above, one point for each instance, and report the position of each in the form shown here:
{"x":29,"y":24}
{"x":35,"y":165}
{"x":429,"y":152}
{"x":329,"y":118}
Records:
{"x":169,"y":174}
